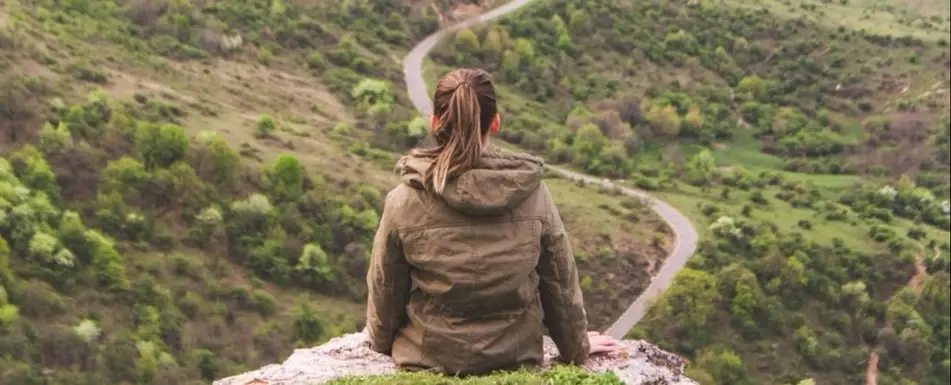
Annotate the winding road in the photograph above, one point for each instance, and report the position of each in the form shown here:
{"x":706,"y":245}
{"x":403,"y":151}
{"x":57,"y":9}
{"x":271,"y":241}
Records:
{"x":686,"y":235}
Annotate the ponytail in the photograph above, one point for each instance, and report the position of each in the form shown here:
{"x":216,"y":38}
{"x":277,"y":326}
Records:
{"x":465,"y":105}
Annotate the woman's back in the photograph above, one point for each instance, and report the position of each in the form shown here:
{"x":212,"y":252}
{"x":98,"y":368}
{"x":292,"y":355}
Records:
{"x":471,"y":261}
{"x":473,"y":255}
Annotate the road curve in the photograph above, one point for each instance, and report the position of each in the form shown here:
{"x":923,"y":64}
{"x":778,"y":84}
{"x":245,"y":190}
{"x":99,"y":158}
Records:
{"x":686,"y":235}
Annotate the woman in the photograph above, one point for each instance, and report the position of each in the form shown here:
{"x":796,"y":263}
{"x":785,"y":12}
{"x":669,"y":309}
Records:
{"x":471,"y":260}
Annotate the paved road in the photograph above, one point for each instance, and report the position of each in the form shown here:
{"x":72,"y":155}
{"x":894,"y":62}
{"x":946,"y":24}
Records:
{"x":686,"y":235}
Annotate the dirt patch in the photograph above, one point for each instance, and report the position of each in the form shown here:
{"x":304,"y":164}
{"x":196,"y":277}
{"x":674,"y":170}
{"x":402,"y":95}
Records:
{"x":467,"y":10}
{"x":871,"y":371}
{"x":255,"y":86}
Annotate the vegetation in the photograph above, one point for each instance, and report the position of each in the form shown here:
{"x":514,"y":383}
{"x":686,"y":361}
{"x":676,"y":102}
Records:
{"x":559,"y":375}
{"x":188,"y":190}
{"x":811,"y":150}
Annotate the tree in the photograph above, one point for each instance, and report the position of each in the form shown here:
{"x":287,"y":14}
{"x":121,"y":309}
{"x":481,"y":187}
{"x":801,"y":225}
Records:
{"x":701,"y":167}
{"x":466,"y":41}
{"x":561,"y":31}
{"x":34,"y":172}
{"x":307,"y":327}
{"x":752,"y":88}
{"x":492,"y":44}
{"x":314,"y":265}
{"x":693,"y":120}
{"x":288,"y":178}
{"x":681,"y":41}
{"x":723,"y":365}
{"x":788,"y":120}
{"x":219,"y":163}
{"x":793,"y":275}
{"x":663,"y":119}
{"x":371,"y":92}
{"x":161,"y":145}
{"x":688,"y":305}
{"x":511,"y":61}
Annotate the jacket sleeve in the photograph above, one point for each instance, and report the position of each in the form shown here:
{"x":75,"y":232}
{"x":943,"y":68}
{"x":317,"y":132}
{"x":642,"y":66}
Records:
{"x":388,"y":282}
{"x":561,"y":298}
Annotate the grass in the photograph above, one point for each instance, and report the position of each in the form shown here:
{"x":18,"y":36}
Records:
{"x":559,"y":375}
{"x":895,"y":17}
{"x":611,"y":218}
{"x":691,"y":200}
{"x":617,"y":241}
{"x":745,"y":153}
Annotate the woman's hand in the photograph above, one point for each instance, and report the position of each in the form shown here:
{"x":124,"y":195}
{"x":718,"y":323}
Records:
{"x":600,"y":343}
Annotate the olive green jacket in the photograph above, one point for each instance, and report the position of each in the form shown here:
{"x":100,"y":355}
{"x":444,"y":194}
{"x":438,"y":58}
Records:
{"x":466,"y":282}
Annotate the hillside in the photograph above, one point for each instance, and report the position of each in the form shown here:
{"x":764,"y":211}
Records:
{"x":188,"y":189}
{"x":808,"y":138}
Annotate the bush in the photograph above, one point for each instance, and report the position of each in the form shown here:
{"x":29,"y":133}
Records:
{"x":161,"y":146}
{"x":263,"y":302}
{"x":710,"y":210}
{"x":264,"y":126}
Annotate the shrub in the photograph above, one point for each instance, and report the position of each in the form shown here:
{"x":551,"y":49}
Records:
{"x":288,"y":178}
{"x":265,"y":126}
{"x":161,"y":146}
{"x":710,"y":210}
{"x":263,"y":302}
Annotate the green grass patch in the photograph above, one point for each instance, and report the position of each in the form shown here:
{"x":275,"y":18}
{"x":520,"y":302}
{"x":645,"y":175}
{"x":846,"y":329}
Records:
{"x":559,"y":375}
{"x":853,"y":231}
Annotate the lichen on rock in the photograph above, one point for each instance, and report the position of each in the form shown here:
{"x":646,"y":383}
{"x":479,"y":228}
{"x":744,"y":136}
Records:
{"x":636,"y":363}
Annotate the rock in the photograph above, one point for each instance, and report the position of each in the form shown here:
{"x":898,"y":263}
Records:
{"x":636,"y":363}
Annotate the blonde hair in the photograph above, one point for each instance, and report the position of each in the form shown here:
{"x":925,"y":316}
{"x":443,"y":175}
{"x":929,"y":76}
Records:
{"x":464,"y":103}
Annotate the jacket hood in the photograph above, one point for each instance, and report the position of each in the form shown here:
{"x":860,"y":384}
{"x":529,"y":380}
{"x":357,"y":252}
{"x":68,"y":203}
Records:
{"x":501,"y":181}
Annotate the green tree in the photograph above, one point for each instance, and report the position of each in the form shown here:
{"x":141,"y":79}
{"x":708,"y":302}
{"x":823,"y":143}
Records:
{"x":108,"y":265}
{"x":219,"y":163}
{"x":466,"y":41}
{"x":663,"y":119}
{"x":372,"y":92}
{"x":161,"y":145}
{"x":561,"y":32}
{"x":492,"y":44}
{"x":34,"y":172}
{"x":752,"y":88}
{"x":688,"y":306}
{"x":307,"y":327}
{"x":314,"y":265}
{"x":701,"y":167}
{"x":511,"y":61}
{"x":724,"y":365}
{"x":288,"y":178}
{"x":788,"y":120}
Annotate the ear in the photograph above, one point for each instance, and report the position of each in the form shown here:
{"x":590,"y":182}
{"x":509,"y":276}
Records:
{"x":433,"y":122}
{"x":496,"y":125}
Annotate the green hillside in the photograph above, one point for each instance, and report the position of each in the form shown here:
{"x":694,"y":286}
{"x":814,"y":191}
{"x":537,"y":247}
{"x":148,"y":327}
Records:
{"x":188,"y":189}
{"x":808,"y":139}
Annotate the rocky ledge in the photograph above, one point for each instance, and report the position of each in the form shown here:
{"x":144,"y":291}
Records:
{"x":636,"y":363}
